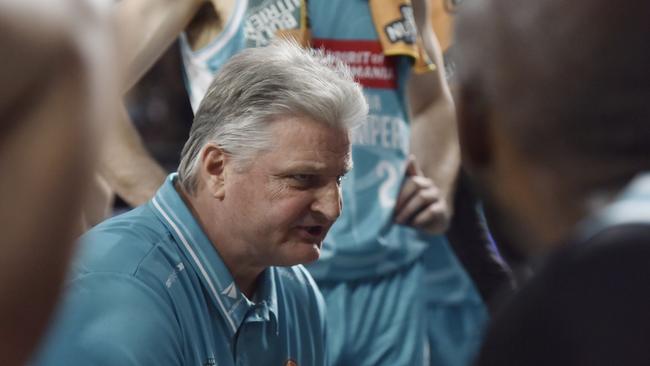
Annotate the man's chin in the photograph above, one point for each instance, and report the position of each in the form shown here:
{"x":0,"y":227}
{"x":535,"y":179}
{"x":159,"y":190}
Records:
{"x":314,"y":253}
{"x":301,"y":252}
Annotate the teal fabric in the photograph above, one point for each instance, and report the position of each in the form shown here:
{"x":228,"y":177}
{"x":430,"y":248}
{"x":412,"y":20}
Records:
{"x":373,"y":323}
{"x":454,"y":332}
{"x":149,"y":288}
{"x":455,"y":313}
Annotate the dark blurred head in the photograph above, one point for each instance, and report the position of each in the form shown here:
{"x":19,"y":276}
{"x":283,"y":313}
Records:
{"x":555,"y":88}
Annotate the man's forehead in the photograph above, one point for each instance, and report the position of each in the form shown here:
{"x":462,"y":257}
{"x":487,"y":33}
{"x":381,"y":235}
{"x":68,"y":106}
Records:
{"x":294,"y":129}
{"x":312,"y":161}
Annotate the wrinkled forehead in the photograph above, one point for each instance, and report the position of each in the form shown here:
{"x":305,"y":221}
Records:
{"x":302,"y":138}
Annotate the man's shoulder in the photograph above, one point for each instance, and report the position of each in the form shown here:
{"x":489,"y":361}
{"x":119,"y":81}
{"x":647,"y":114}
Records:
{"x":622,"y":237}
{"x":606,"y":266}
{"x":296,"y":282}
{"x":619,"y":250}
{"x":295,"y":276}
{"x":118,"y":306}
{"x":124,"y":244}
{"x":299,"y":297}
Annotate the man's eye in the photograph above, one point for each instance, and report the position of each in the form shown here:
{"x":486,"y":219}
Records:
{"x":339,"y":179}
{"x":302,"y":178}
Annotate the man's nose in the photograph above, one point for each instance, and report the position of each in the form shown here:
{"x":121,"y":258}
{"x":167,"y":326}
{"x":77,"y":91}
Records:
{"x":328,"y":201}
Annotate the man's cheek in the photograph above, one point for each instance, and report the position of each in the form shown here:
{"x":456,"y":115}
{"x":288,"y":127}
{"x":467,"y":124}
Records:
{"x":294,"y":210}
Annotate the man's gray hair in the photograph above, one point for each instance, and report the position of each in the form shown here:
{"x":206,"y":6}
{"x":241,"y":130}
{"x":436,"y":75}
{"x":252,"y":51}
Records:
{"x":260,"y":85}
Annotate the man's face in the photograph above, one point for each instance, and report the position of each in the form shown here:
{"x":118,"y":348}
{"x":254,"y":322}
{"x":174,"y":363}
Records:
{"x":286,"y":199}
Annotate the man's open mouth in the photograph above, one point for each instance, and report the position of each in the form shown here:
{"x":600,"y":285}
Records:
{"x":313,"y":233}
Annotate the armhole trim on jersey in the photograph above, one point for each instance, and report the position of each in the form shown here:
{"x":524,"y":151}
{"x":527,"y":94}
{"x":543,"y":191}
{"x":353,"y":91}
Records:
{"x":217,"y":44}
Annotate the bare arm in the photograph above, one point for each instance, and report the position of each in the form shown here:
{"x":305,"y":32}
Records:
{"x":434,"y":137}
{"x":126,"y":165}
{"x":426,"y":198}
{"x":146,"y":28}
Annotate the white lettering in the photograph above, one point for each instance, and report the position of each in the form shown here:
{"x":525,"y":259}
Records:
{"x":396,"y":32}
{"x":385,"y":131}
{"x":263,"y":24}
{"x":372,"y":72}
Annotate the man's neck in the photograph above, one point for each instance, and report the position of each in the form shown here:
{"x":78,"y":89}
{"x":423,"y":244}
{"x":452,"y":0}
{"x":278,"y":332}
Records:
{"x":244,"y":271}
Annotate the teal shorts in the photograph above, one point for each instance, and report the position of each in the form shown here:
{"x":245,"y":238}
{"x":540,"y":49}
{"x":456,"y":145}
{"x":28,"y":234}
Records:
{"x":427,"y":313}
{"x":455,"y":313}
{"x":454,"y":333}
{"x":376,"y":322}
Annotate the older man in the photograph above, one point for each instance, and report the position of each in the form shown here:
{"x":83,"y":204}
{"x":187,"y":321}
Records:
{"x":207,"y":272}
{"x":554,"y":116}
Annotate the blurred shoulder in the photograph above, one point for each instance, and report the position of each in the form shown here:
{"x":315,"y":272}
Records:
{"x":586,"y":305}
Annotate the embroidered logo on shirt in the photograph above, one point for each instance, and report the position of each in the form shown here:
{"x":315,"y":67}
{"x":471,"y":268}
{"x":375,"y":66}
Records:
{"x":230,"y":291}
{"x":174,"y":275}
{"x":210,"y":362}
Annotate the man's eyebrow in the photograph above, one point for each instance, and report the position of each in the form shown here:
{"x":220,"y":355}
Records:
{"x":307,"y":165}
{"x":317,"y":167}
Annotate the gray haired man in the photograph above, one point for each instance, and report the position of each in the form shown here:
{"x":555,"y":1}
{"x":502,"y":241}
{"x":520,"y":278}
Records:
{"x":207,"y":272}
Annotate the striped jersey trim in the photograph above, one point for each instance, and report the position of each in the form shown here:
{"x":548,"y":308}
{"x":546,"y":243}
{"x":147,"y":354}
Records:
{"x":204,"y":54}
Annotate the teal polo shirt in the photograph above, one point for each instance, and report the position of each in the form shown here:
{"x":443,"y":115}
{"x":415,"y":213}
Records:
{"x":149,"y":288}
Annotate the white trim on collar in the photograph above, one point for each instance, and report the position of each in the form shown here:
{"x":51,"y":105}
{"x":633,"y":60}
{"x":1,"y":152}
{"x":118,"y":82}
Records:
{"x":196,"y":260}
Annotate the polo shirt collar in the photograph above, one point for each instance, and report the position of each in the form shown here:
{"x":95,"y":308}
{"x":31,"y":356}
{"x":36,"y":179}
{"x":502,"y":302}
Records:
{"x":267,"y":295}
{"x":206,"y":261}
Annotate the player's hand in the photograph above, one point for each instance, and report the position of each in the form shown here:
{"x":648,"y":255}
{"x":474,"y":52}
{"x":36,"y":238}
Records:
{"x":420,"y":203}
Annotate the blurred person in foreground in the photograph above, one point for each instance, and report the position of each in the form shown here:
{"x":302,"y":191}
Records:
{"x":554,"y":127}
{"x":56,"y":91}
{"x":207,"y":272}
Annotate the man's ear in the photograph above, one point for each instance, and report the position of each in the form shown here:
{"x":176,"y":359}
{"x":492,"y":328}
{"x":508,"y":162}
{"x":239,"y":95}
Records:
{"x":213,"y":170}
{"x":473,"y":128}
